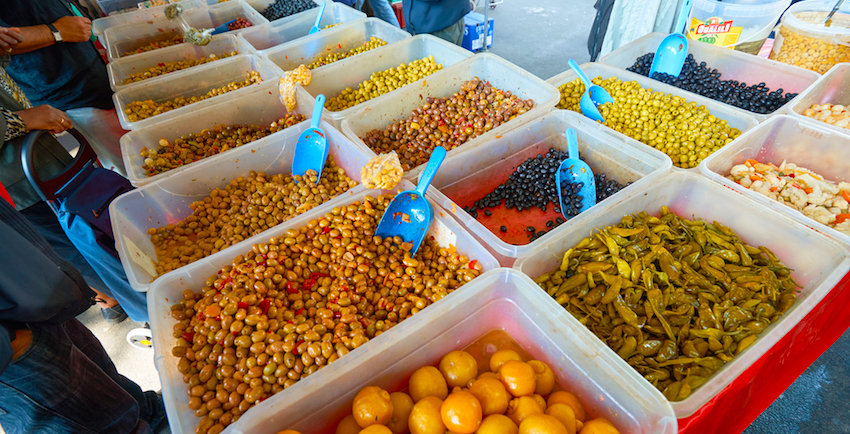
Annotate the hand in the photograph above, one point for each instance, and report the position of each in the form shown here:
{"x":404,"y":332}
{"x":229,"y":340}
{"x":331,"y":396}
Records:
{"x":45,"y":117}
{"x":10,"y":37}
{"x":74,"y":29}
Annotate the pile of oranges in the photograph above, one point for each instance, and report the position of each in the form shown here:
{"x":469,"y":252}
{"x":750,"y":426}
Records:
{"x":511,"y":397}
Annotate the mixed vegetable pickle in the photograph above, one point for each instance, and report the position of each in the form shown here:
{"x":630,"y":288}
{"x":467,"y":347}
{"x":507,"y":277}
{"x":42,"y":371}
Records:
{"x":156,"y":45}
{"x":676,"y":298}
{"x":166,"y":67}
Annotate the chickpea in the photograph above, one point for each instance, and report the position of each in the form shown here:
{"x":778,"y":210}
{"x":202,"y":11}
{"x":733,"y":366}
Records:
{"x":326,"y":59}
{"x":382,"y":82}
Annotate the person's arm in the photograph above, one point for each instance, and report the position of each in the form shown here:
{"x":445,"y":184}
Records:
{"x":11,"y":125}
{"x":10,"y":37}
{"x":72,"y":29}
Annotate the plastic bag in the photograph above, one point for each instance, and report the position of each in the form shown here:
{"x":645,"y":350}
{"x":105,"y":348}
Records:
{"x":382,"y":172}
{"x":198,"y":37}
{"x":173,"y":11}
{"x":300,"y":75}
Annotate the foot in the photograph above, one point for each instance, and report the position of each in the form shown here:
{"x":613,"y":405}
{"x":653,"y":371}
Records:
{"x":113,"y":315}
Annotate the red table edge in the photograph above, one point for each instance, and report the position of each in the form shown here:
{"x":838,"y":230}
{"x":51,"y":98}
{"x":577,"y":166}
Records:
{"x":739,"y":404}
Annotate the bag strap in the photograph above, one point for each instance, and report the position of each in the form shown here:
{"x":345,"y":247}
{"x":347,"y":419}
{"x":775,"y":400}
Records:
{"x":47,"y":189}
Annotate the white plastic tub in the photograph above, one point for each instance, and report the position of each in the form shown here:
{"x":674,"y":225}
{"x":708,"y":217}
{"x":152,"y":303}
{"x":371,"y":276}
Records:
{"x":282,"y":31}
{"x":122,"y":68}
{"x":260,"y":106}
{"x":218,"y":14}
{"x":168,"y":289}
{"x":339,"y":39}
{"x":121,"y":39}
{"x":168,"y":200}
{"x":141,"y":15}
{"x":386,"y":109}
{"x":832,"y":88}
{"x":783,"y":138}
{"x":193,"y":82}
{"x":735,"y":117}
{"x":504,"y":300}
{"x":818,"y":262}
{"x":261,"y":5}
{"x":469,"y":175}
{"x":734,"y":65}
{"x":333,"y":78}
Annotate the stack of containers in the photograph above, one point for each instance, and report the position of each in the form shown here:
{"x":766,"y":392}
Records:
{"x":734,"y":65}
{"x":805,"y":41}
{"x":298,"y":26}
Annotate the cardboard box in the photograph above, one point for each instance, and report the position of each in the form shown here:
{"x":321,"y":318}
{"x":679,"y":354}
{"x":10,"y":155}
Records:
{"x":473,"y":33}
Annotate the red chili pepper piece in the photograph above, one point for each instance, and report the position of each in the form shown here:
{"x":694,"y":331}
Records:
{"x":326,"y":229}
{"x":472,"y":263}
{"x":188,"y":336}
{"x":243,"y":305}
{"x":265,"y":305}
{"x":317,"y":275}
{"x":337,"y":314}
{"x":299,"y":311}
{"x":308,"y":284}
{"x":290,"y":289}
{"x":218,"y":317}
{"x":235,"y":333}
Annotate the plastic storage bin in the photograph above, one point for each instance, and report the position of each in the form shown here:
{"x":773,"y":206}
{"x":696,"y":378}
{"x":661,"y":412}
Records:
{"x":734,"y":116}
{"x":261,"y":5}
{"x":169,"y":288}
{"x":121,"y":39}
{"x":469,"y":175}
{"x":168,"y":200}
{"x":277,"y":32}
{"x":503,"y":300}
{"x":141,"y":15}
{"x":832,"y":88}
{"x":783,"y":138}
{"x":734,"y":65}
{"x":803,"y":33}
{"x":259,"y":106}
{"x":350,"y":72}
{"x":339,"y":39}
{"x":193,"y":82}
{"x":121,"y":69}
{"x":218,"y":14}
{"x":818,"y":262}
{"x":381,"y":111}
{"x":740,"y":24}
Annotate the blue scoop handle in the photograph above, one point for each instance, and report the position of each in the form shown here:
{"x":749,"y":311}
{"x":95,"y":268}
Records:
{"x":437,"y":157}
{"x":580,"y":73}
{"x":572,"y":144}
{"x":683,"y":16}
{"x":317,"y":111}
{"x":315,"y":27}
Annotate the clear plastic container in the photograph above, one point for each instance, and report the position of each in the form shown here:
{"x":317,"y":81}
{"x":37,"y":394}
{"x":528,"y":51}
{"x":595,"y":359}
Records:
{"x":121,"y":39}
{"x":469,"y":175}
{"x":218,"y":14}
{"x":832,"y":88}
{"x":332,"y":79}
{"x":783,"y":138}
{"x":804,"y":41}
{"x":277,"y":32}
{"x":735,"y":117}
{"x":168,"y":289}
{"x":167,"y":200}
{"x":101,"y":24}
{"x":259,"y":106}
{"x":261,"y":5}
{"x":120,"y":69}
{"x":503,"y":300}
{"x":381,"y":111}
{"x":734,"y":65}
{"x":740,"y":24}
{"x":194,"y":82}
{"x":818,"y":262}
{"x":339,"y":39}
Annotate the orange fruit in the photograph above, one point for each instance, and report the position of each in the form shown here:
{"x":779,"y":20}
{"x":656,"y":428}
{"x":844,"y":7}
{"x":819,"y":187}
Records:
{"x":427,"y":381}
{"x":541,"y":424}
{"x":348,"y":426}
{"x":376,"y":429}
{"x":372,"y":405}
{"x":497,"y":424}
{"x":540,"y":401}
{"x":599,"y":425}
{"x":569,"y":399}
{"x":458,"y":367}
{"x":522,"y":407}
{"x":489,"y":375}
{"x":500,"y":357}
{"x":461,"y":412}
{"x":425,"y":417}
{"x":288,"y":431}
{"x":543,"y":376}
{"x":491,"y":394}
{"x":518,"y":378}
{"x":402,"y":405}
{"x":565,"y":414}
{"x":579,"y":425}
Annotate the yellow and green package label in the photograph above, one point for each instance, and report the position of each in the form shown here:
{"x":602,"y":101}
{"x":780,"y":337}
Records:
{"x":714,"y":31}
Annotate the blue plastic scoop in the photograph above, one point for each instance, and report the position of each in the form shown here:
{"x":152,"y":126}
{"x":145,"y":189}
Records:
{"x":409,"y":214}
{"x":576,"y":171}
{"x":315,"y":28}
{"x":673,"y":50}
{"x":593,"y":96}
{"x":223,"y":28}
{"x":311,"y":150}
